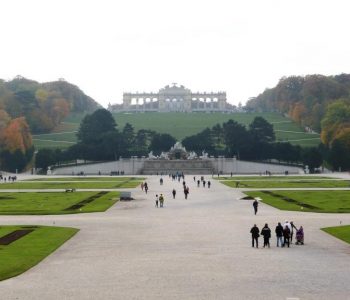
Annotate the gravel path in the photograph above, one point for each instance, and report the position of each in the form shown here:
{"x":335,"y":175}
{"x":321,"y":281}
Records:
{"x":198,"y":248}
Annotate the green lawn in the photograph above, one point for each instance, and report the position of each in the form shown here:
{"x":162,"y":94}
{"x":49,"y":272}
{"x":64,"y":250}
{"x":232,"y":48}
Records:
{"x":307,"y":201}
{"x":71,"y":184}
{"x":55,"y":203}
{"x":340,"y":232}
{"x":272,"y":178}
{"x":302,"y":183}
{"x":179,"y":125}
{"x":29,"y":250}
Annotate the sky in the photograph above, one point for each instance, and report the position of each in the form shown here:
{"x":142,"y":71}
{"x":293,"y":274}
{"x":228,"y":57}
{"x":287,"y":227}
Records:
{"x":108,"y":47}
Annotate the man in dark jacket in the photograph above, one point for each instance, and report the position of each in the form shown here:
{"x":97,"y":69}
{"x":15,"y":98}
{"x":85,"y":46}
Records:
{"x":266,"y":233}
{"x":255,"y":235}
{"x":286,"y":235}
{"x":255,"y":205}
{"x":279,"y":234}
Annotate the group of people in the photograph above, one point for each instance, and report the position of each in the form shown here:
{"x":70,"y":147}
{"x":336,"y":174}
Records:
{"x":8,"y":179}
{"x":160,"y":200}
{"x":203,"y":182}
{"x":284,"y":234}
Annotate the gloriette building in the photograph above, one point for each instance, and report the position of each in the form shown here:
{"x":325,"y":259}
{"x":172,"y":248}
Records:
{"x":174,"y":99}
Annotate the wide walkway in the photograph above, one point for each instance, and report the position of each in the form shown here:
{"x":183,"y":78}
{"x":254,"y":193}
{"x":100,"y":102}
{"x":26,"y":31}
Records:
{"x":198,"y":248}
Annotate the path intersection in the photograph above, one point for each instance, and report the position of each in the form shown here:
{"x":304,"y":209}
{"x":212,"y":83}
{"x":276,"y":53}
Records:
{"x":199,"y":248}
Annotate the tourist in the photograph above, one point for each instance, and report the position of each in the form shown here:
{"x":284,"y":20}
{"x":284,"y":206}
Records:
{"x":198,"y":183}
{"x":161,"y":200}
{"x":286,"y":223}
{"x":286,"y":235}
{"x":209,"y":183}
{"x":255,"y":235}
{"x":186,"y":191}
{"x":255,"y":205}
{"x":266,"y":233}
{"x":279,"y":234}
{"x":174,"y":193}
{"x":204,"y":182}
{"x":292,"y":226}
{"x":161,"y":181}
{"x":299,"y":236}
{"x":145,"y":187}
{"x":157,"y":200}
{"x":194,"y":178}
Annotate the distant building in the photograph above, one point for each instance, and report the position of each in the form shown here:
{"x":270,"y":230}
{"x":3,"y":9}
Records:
{"x":174,"y":99}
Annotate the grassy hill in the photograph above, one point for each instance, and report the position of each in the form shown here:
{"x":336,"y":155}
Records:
{"x":179,"y":125}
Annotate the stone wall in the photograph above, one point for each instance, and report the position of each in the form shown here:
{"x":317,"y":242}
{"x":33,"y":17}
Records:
{"x":134,"y":166}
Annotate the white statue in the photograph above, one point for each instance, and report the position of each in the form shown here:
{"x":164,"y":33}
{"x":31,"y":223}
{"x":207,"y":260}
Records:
{"x":164,"y":155}
{"x":204,"y":155}
{"x":151,"y":156}
{"x":192,"y":155}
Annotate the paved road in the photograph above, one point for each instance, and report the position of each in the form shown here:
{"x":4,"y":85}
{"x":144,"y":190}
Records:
{"x":191,"y":249}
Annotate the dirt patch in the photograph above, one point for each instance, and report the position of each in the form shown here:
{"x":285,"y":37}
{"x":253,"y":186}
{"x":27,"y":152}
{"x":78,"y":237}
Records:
{"x":14,"y":236}
{"x":291,"y":200}
{"x":86,"y":201}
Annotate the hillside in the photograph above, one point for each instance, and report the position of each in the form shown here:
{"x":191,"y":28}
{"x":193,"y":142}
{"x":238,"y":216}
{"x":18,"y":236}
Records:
{"x":44,"y":105}
{"x":180,"y":125}
{"x":304,"y":99}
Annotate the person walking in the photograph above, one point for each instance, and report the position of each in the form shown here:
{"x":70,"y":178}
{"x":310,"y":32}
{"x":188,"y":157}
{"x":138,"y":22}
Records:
{"x":174,"y":193}
{"x":286,"y":235}
{"x":255,"y":232}
{"x":161,"y":200}
{"x":255,"y":205}
{"x":161,"y":181}
{"x":279,"y":234}
{"x":266,"y":233}
{"x":157,"y":200}
{"x":145,"y":187}
{"x":198,"y":183}
{"x":186,"y":191}
{"x":209,"y":183}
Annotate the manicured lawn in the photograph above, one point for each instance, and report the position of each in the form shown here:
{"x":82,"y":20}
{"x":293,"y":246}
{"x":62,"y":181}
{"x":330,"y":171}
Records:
{"x":77,"y":184}
{"x":29,"y":250}
{"x":340,"y":232}
{"x":302,"y":183}
{"x":308,"y":201}
{"x":55,"y":203}
{"x":272,"y":178}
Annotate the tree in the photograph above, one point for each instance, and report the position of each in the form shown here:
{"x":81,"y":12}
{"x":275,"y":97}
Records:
{"x":95,"y":125}
{"x":128,"y":136}
{"x":236,"y":138}
{"x":261,"y":130}
{"x":202,"y":141}
{"x":312,"y":157}
{"x":161,"y":142}
{"x":45,"y":158}
{"x":339,"y":156}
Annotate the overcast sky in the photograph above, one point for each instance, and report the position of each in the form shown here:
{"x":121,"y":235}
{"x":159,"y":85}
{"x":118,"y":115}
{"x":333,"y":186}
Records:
{"x":108,"y":47}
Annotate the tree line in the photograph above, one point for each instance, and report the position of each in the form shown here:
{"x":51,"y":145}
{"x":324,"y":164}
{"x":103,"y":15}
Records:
{"x":27,"y":107}
{"x":99,"y":139}
{"x":321,"y":103}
